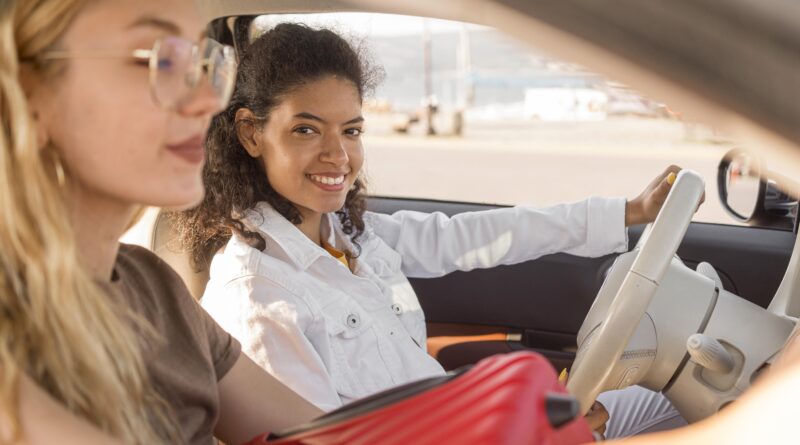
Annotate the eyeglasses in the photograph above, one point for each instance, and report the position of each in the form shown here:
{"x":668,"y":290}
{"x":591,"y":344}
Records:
{"x":176,"y":67}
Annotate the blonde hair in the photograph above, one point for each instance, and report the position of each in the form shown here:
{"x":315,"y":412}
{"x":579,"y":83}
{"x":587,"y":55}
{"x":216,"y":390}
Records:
{"x":57,"y":326}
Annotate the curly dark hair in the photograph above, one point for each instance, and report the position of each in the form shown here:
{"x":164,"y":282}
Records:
{"x":275,"y":64}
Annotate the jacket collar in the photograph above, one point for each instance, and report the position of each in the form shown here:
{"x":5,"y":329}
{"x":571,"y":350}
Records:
{"x":296,"y":245}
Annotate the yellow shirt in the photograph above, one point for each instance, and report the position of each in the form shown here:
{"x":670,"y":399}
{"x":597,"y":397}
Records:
{"x":338,"y":254}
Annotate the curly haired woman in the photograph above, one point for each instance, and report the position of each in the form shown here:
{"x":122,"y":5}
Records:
{"x":313,"y":285}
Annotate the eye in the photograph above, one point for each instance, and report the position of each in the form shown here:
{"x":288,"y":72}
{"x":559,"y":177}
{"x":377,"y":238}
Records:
{"x":304,"y":130}
{"x":354,"y":132}
{"x":165,"y":64}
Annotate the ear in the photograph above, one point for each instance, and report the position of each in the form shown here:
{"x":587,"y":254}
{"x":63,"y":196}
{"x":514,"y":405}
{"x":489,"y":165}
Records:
{"x":33,"y":88}
{"x":245,"y":122}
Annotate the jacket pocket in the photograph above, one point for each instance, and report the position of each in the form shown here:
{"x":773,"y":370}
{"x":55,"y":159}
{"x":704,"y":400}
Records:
{"x":361,"y":368}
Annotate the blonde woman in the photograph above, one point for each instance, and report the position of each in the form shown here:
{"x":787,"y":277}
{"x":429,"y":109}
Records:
{"x":104,"y":106}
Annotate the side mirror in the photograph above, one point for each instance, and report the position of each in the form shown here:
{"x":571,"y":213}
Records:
{"x":752,"y":194}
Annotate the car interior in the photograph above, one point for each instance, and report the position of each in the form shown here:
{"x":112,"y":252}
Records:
{"x":717,"y":301}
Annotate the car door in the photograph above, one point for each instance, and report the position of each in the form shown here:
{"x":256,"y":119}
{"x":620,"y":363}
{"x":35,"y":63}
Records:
{"x":519,"y":127}
{"x":539,"y":305}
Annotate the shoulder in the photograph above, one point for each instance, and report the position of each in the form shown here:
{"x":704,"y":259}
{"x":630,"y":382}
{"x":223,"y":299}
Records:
{"x":134,"y":253}
{"x":243,"y":301}
{"x":249,"y":279}
{"x":139,"y":263}
{"x":373,"y":219}
{"x":241,"y":264}
{"x":152,"y":281}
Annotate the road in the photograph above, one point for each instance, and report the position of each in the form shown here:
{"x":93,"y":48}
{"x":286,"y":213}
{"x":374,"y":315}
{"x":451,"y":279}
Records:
{"x":543,"y":163}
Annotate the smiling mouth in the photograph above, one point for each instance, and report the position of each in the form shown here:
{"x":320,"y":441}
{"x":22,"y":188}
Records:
{"x":327,"y":180}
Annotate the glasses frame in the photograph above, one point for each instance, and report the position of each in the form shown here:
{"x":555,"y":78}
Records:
{"x":151,"y":56}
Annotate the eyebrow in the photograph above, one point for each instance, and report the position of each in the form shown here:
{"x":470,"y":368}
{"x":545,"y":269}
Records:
{"x":155,"y":22}
{"x":309,"y":116}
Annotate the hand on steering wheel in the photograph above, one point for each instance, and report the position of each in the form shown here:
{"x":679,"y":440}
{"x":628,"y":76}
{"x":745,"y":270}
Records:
{"x":595,"y":359}
{"x":644,"y":208}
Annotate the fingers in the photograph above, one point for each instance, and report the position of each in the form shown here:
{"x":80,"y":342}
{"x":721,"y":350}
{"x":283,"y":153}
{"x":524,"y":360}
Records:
{"x":658,"y":195}
{"x":597,"y":417}
{"x":667,"y":178}
{"x":650,"y":201}
{"x":672,"y":169}
{"x":601,"y":409}
{"x":702,"y":200}
{"x":671,"y":173}
{"x":562,"y":378}
{"x":662,"y":190}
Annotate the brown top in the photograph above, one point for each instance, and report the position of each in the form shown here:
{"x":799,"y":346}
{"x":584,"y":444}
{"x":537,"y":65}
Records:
{"x":196,"y":352}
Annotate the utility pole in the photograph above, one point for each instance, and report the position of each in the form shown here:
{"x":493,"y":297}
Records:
{"x":430,"y":107}
{"x":466,"y":88}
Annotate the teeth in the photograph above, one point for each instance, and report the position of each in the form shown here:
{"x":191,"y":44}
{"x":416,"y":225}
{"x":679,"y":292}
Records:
{"x":327,"y":179}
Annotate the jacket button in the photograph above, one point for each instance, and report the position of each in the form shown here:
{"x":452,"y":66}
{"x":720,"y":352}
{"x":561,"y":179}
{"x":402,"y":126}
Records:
{"x":397,"y":309}
{"x":353,"y":321}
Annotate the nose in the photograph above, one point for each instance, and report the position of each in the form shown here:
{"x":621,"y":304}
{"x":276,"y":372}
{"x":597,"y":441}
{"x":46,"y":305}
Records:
{"x":335,"y":151}
{"x":204,"y":101}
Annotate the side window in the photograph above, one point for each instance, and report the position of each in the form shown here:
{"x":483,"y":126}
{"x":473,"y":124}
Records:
{"x":465,"y":113}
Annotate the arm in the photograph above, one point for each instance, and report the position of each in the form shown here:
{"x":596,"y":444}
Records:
{"x":433,"y":244}
{"x":267,"y":395}
{"x":253,"y":402}
{"x":61,"y":426}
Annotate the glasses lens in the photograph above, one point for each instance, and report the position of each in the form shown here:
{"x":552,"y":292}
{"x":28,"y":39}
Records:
{"x":177,"y":71}
{"x":220,"y":67}
{"x":180,"y":65}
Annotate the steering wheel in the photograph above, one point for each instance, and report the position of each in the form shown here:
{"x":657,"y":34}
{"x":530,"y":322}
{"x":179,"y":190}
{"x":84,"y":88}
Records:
{"x":599,"y":353}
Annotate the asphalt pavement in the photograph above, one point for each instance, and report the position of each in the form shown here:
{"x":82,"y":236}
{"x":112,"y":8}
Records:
{"x":542,"y":163}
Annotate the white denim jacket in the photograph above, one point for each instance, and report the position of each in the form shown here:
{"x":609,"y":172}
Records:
{"x":333,"y":335}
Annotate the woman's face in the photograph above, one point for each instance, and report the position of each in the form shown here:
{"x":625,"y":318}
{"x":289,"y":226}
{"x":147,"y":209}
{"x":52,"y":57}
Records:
{"x":311,"y":145}
{"x":112,"y":138}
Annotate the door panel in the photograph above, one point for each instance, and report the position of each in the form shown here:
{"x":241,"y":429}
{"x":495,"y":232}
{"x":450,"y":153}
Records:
{"x":545,"y":301}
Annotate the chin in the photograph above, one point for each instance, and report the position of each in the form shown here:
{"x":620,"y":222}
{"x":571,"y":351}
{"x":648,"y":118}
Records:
{"x":184,"y":205}
{"x":180,"y":201}
{"x":330,"y":207}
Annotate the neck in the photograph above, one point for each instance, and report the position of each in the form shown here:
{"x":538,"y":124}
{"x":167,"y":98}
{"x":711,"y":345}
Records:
{"x":99,"y":221}
{"x":311,"y":224}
